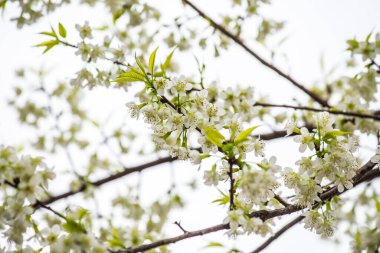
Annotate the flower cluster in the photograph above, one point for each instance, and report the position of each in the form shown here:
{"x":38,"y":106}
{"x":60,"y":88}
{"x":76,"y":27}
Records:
{"x":183,"y":115}
{"x":357,"y":93}
{"x":322,"y":221}
{"x":71,"y":234}
{"x":240,"y":223}
{"x":333,"y":160}
{"x":23,"y":181}
{"x":178,"y":111}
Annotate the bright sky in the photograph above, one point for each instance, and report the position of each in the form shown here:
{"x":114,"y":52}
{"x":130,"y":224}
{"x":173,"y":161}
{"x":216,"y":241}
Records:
{"x":316,"y":27}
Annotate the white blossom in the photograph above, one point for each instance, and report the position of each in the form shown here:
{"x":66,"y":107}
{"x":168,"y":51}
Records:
{"x":306,"y":140}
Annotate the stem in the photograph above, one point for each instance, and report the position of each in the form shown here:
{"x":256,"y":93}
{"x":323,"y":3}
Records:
{"x":232,"y":182}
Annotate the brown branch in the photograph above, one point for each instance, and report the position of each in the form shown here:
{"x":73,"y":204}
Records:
{"x":105,"y":180}
{"x":281,"y":200}
{"x":167,"y":241}
{"x":238,"y":41}
{"x":364,"y":174}
{"x":278,"y":233}
{"x":232,"y":182}
{"x":305,"y":108}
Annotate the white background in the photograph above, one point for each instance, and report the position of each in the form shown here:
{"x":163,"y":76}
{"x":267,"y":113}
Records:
{"x":316,"y":27}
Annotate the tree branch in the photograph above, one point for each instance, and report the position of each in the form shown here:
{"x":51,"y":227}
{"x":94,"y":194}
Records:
{"x":105,"y":180}
{"x":238,"y":41}
{"x":305,"y":108}
{"x":281,"y":200}
{"x":364,"y":174}
{"x":278,"y":234}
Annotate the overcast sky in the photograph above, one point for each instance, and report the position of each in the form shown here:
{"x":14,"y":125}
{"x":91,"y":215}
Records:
{"x":316,"y":27}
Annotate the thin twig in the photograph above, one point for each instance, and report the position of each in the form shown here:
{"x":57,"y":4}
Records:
{"x":238,"y":41}
{"x":305,"y":108}
{"x":51,"y":210}
{"x":178,"y":223}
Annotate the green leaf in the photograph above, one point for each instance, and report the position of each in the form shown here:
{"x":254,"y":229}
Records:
{"x":152,"y":59}
{"x":83,"y":213}
{"x":352,"y":44}
{"x":167,"y":61}
{"x":225,"y":197}
{"x":133,"y":74}
{"x":2,"y":4}
{"x":244,"y":135}
{"x":125,"y":80}
{"x":48,"y":44}
{"x":136,"y":70}
{"x":71,"y":226}
{"x":333,"y":134}
{"x":48,"y":34}
{"x":159,"y":74}
{"x":115,"y":242}
{"x":166,"y":135}
{"x":61,"y":30}
{"x":117,"y":15}
{"x":53,"y":32}
{"x":358,"y":238}
{"x":368,"y":37}
{"x":214,"y":244}
{"x":214,"y":136}
{"x":140,"y":64}
{"x":378,"y":206}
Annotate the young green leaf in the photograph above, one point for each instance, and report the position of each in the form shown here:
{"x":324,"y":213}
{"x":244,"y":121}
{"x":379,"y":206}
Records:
{"x":333,"y":134}
{"x":48,"y":44}
{"x":71,"y":226}
{"x":117,"y":15}
{"x":2,"y":4}
{"x":225,"y":199}
{"x":368,"y":37}
{"x":167,"y":61}
{"x":352,"y":44}
{"x":140,"y":64}
{"x":152,"y":59}
{"x":214,"y":136}
{"x":61,"y":30}
{"x":244,"y":135}
{"x":125,"y":80}
{"x":214,"y":244}
{"x":133,"y":74}
{"x":48,"y":34}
